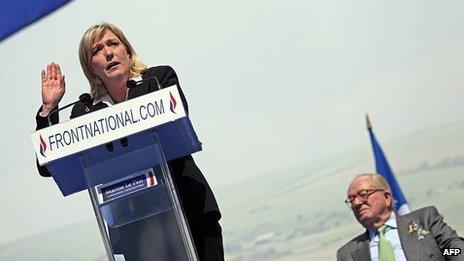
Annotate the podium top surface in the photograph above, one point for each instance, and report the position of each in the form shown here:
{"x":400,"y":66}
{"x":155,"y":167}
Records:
{"x":103,"y":126}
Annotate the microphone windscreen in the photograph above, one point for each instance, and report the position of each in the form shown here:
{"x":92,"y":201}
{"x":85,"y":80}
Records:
{"x":85,"y":98}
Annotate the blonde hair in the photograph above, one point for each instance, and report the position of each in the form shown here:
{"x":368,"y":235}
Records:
{"x":93,"y":34}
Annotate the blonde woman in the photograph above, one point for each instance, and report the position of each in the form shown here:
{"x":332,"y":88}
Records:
{"x":109,"y":61}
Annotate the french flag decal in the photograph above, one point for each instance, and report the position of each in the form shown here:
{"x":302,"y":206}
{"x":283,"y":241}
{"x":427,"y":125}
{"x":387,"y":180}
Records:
{"x":152,"y":179}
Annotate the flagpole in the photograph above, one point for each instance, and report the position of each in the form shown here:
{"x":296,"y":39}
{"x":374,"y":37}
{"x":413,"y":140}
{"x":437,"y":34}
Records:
{"x":368,"y":123}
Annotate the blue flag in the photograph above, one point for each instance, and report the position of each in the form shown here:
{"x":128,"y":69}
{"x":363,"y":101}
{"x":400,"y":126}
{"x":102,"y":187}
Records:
{"x":17,"y":14}
{"x":383,"y":168}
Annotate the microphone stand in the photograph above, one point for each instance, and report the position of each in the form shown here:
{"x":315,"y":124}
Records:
{"x":85,"y":98}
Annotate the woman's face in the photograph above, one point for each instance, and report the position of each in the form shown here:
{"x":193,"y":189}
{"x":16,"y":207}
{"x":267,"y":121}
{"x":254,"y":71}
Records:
{"x":110,"y":60}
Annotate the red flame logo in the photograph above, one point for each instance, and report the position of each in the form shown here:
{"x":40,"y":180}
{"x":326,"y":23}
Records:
{"x":43,"y":146}
{"x":172,"y":103}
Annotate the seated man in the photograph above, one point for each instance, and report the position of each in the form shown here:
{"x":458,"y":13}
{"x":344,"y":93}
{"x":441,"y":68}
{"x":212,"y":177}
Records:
{"x":419,"y":235}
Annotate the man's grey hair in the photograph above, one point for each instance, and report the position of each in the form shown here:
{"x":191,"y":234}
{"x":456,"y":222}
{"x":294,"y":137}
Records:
{"x":380,"y":183}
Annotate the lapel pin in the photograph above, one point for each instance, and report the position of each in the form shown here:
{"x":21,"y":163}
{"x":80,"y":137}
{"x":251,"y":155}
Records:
{"x":420,"y":231}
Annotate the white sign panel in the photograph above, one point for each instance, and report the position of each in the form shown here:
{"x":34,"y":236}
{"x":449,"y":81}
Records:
{"x":108,"y":124}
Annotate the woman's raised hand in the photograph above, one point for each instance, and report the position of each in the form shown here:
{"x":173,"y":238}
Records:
{"x":53,"y":87}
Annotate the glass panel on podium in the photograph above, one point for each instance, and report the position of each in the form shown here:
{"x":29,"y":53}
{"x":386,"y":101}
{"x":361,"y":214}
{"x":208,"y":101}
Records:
{"x":135,"y":201}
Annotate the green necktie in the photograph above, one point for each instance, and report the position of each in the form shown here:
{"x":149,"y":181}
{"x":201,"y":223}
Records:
{"x":385,"y":247}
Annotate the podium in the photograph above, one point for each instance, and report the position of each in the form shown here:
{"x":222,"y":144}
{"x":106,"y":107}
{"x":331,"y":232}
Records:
{"x":120,"y":156}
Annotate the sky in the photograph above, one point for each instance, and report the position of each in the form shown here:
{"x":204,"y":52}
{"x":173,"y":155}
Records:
{"x":270,"y":84}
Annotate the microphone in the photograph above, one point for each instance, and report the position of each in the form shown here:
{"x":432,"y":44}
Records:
{"x":84,"y":98}
{"x":134,"y":83}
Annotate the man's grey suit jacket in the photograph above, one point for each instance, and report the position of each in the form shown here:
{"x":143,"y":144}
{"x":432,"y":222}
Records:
{"x":429,"y":247}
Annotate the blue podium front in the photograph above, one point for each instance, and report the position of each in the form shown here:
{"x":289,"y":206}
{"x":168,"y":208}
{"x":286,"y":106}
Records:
{"x":128,"y":179}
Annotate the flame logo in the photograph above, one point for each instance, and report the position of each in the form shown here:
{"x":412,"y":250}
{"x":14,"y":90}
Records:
{"x":172,"y":103}
{"x":43,"y":146}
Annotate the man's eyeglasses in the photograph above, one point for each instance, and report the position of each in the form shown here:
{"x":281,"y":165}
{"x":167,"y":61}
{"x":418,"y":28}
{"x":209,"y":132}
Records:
{"x":363,"y":195}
